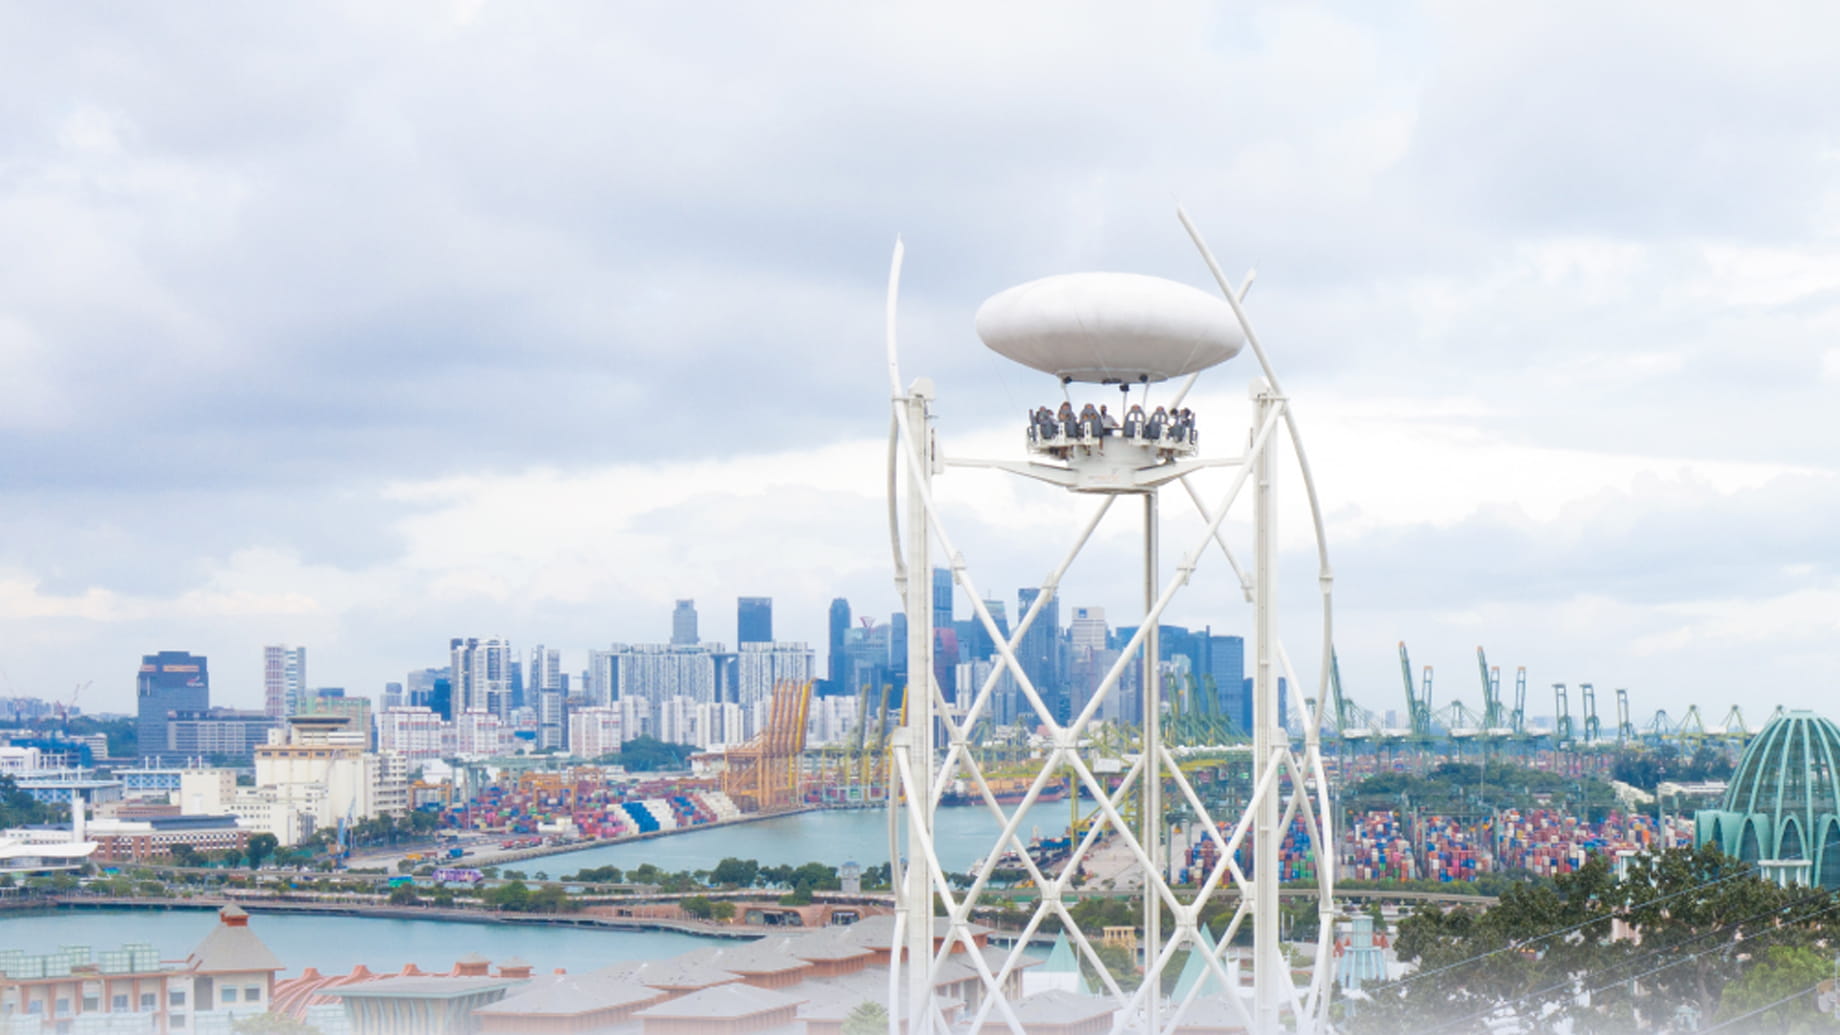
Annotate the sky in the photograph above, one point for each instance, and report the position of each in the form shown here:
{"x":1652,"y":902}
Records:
{"x":363,"y":326}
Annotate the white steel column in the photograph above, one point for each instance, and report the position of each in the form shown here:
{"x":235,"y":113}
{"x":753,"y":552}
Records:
{"x":917,"y":704}
{"x":1268,"y":739}
{"x":1152,"y":819}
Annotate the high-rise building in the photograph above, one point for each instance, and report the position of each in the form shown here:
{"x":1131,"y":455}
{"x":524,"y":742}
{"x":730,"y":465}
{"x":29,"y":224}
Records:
{"x":543,"y":673}
{"x":170,"y":681}
{"x":753,"y":620}
{"x":284,"y":677}
{"x":836,"y":671}
{"x":655,"y":671}
{"x":482,"y":675}
{"x":683,"y":624}
{"x":1224,"y":673}
{"x":942,"y":598}
{"x":865,"y":662}
{"x":1040,"y":648}
{"x":763,"y":666}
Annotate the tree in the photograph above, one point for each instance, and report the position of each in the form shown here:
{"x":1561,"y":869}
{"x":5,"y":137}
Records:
{"x":184,"y":855}
{"x":723,"y":911}
{"x":261,"y":846}
{"x":514,"y":896}
{"x":699,"y":907}
{"x":736,"y":873}
{"x":1779,"y":973}
{"x":1553,"y":951}
{"x":867,"y":1018}
{"x":404,"y":895}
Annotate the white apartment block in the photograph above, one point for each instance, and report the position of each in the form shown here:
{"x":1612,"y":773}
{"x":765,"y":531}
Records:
{"x":481,"y":674}
{"x":595,"y":731}
{"x":284,"y":677}
{"x":762,"y":666}
{"x":657,"y":671}
{"x":830,"y":720}
{"x":479,"y":733}
{"x":415,"y":732}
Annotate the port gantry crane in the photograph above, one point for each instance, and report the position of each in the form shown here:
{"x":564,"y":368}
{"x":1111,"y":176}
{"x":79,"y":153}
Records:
{"x":1625,"y":730}
{"x":1418,"y":706}
{"x":1587,"y":704}
{"x":1562,"y":717}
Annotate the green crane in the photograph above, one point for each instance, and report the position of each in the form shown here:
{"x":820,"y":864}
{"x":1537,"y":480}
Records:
{"x":1491,"y":692}
{"x":1418,"y":706}
{"x":1562,"y":716}
{"x":1588,"y":704}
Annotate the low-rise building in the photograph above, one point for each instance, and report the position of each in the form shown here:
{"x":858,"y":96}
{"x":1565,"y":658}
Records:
{"x":231,"y":972}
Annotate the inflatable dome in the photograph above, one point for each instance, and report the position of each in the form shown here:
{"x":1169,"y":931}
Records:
{"x":1783,"y":800}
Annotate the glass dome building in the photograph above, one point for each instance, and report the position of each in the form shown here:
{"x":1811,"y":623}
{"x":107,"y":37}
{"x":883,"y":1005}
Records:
{"x":1783,"y":801}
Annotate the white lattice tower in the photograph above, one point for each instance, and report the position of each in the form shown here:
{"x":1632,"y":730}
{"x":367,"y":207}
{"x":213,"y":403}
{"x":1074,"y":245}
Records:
{"x":1288,"y":784}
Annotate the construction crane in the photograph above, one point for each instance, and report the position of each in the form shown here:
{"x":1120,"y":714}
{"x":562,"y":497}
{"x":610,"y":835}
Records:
{"x":1562,"y":716}
{"x":69,"y":706}
{"x":1625,"y":730}
{"x":1587,"y":703}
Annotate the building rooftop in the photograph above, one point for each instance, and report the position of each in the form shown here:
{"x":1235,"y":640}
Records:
{"x":723,"y":1002}
{"x":426,"y":986}
{"x":570,"y":996}
{"x":232,"y":948}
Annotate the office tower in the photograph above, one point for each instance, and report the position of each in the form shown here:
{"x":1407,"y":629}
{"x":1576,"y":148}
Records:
{"x":896,"y":661}
{"x":420,"y":683}
{"x":1039,"y":651}
{"x":753,"y":620}
{"x":441,"y":696}
{"x":1224,"y":674}
{"x":170,"y":681}
{"x":683,"y":624}
{"x":393,"y":695}
{"x":836,"y":676}
{"x":865,"y":662}
{"x":945,"y":659}
{"x":481,"y":675}
{"x":284,"y":677}
{"x":942,"y":598}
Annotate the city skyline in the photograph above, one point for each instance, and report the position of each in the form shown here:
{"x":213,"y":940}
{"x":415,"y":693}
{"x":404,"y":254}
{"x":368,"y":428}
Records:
{"x":442,"y":327}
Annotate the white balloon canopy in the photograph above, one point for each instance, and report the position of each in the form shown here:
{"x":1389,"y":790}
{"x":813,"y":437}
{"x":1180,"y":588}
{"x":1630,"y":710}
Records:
{"x":1110,"y":328}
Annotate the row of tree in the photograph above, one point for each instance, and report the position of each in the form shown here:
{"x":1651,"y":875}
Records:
{"x":1686,"y":937}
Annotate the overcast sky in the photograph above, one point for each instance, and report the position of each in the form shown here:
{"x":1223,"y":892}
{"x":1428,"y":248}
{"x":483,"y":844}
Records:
{"x":361,"y":326}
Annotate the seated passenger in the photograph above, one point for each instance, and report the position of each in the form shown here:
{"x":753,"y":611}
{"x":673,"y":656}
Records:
{"x":1089,"y":421}
{"x":1065,"y":417}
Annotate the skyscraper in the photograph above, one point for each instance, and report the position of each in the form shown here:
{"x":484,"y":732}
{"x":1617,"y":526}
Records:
{"x":942,"y":598}
{"x":170,"y":681}
{"x":1225,"y":672}
{"x":481,"y":675}
{"x":1040,"y":652}
{"x":284,"y":677}
{"x":753,"y":620}
{"x":837,"y":673}
{"x":683,"y":624}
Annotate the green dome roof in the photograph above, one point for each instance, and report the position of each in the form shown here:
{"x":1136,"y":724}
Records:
{"x":1784,"y":797}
